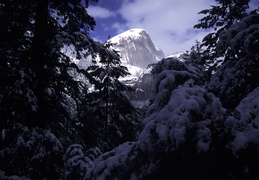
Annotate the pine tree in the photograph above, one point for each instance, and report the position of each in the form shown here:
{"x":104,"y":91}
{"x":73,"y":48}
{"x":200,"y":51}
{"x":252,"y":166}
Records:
{"x":220,"y":17}
{"x":54,"y":84}
{"x":36,"y":82}
{"x":111,"y":109}
{"x":37,"y":87}
{"x":237,"y":76}
{"x":17,"y":99}
{"x":195,"y":57}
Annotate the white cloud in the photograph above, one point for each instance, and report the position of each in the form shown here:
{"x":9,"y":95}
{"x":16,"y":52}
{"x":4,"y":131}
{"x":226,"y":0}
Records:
{"x":99,"y":12}
{"x":119,"y":27}
{"x":169,"y":22}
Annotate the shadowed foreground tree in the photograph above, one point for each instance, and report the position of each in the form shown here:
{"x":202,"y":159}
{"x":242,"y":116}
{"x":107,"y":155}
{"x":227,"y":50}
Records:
{"x":37,"y":88}
{"x":117,"y":121}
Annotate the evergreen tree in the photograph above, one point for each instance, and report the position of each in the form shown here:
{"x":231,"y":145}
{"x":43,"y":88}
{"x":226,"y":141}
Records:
{"x":37,"y":87}
{"x":220,"y":17}
{"x":36,"y":84}
{"x":195,"y":57}
{"x":17,"y":99}
{"x":237,"y":76}
{"x":111,"y":109}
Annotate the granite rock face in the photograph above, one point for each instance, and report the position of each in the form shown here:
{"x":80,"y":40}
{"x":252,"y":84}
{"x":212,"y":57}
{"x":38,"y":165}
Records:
{"x":138,"y":53}
{"x":136,"y":48}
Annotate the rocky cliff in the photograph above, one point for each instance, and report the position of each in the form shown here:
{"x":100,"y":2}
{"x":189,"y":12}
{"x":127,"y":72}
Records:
{"x":136,"y":48}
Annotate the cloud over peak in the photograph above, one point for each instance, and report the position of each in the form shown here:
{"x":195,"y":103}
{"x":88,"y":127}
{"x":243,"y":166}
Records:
{"x":100,"y":12}
{"x":168,"y":22}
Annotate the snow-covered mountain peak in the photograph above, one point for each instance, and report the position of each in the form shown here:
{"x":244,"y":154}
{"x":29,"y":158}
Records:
{"x":132,"y":33}
{"x":136,"y":48}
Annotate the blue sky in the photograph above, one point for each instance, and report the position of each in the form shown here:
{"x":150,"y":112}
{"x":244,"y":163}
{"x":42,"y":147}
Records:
{"x":168,"y":22}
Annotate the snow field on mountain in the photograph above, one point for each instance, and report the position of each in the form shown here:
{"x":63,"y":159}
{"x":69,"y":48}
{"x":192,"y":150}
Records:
{"x":133,"y":33}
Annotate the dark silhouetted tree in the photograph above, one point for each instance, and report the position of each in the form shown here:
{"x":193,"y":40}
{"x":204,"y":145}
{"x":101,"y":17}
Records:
{"x":37,"y":87}
{"x":219,"y":17}
{"x":111,"y":109}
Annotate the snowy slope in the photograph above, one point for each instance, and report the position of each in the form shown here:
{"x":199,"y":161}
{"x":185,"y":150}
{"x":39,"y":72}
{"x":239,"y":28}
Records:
{"x":179,"y":55}
{"x":133,"y":33}
{"x":136,"y":48}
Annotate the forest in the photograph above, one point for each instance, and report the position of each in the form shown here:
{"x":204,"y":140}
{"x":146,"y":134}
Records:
{"x":58,"y":121}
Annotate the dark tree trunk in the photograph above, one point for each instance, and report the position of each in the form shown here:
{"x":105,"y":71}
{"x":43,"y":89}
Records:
{"x":40,"y":34}
{"x":39,"y":60}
